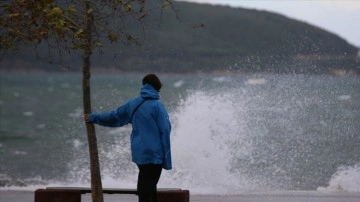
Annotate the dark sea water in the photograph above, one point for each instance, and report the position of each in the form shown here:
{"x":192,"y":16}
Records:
{"x":231,"y":134}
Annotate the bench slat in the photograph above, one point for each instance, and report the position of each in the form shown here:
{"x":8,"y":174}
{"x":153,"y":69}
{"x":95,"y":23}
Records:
{"x":85,"y":190}
{"x":73,"y":194}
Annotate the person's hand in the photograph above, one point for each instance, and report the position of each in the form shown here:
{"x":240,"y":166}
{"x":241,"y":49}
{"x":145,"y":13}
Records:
{"x":87,"y":118}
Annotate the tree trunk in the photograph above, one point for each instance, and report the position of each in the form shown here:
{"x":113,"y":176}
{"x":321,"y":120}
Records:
{"x":96,"y":185}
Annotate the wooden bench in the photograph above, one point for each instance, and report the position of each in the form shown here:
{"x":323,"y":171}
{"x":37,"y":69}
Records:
{"x":73,"y":194}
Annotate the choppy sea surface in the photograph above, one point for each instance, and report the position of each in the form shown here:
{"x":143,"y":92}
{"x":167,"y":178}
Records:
{"x":231,"y":134}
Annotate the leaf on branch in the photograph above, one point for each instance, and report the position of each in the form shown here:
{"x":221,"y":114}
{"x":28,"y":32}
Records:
{"x":113,"y":37}
{"x":89,"y":11}
{"x":59,"y":24}
{"x":14,"y":15}
{"x":98,"y":44}
{"x":55,"y":12}
{"x":142,"y":6}
{"x":15,"y":32}
{"x":132,"y":40}
{"x":73,"y":46}
{"x":6,"y":43}
{"x":141,"y":17}
{"x":128,"y":8}
{"x":41,"y":33}
{"x":166,"y":4}
{"x":71,"y":9}
{"x":79,"y":34}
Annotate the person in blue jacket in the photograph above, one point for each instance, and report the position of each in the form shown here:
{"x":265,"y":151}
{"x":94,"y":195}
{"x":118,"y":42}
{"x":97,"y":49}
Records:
{"x":150,"y":136}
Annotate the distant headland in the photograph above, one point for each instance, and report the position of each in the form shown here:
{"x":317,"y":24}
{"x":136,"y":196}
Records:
{"x":208,"y":38}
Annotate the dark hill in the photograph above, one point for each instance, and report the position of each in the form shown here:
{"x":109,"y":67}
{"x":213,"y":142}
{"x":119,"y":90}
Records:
{"x":210,"y":38}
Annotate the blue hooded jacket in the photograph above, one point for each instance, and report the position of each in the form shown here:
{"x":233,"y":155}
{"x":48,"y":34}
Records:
{"x":150,"y":136}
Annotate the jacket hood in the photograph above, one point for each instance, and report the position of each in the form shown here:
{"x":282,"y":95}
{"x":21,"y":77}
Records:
{"x":147,"y":91}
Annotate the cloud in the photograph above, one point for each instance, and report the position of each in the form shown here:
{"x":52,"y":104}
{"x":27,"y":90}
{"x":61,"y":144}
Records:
{"x":344,"y":4}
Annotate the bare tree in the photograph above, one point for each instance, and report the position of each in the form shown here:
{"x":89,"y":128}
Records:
{"x":75,"y":25}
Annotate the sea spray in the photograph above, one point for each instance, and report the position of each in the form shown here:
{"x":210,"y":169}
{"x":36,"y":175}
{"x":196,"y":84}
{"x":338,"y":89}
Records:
{"x":205,"y":131}
{"x":204,"y":128}
{"x":346,"y":178}
{"x":230,"y":134}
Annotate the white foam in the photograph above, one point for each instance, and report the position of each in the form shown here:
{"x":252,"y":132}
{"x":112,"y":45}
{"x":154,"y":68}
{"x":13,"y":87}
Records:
{"x":65,"y":85}
{"x":41,"y":126}
{"x":347,"y":178}
{"x":203,"y":127}
{"x":50,"y":89}
{"x":28,"y":113}
{"x":198,"y":150}
{"x":221,"y":79}
{"x":179,"y":83}
{"x":77,"y":113}
{"x":19,"y":152}
{"x":77,"y":143}
{"x":344,"y":97}
{"x":256,"y":81}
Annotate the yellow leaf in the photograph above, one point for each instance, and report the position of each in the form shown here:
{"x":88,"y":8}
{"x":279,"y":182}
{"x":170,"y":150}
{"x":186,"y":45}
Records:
{"x":71,"y":9}
{"x":113,"y":37}
{"x":166,"y":5}
{"x":98,"y":44}
{"x":79,"y":34}
{"x":56,"y":11}
{"x":73,"y":46}
{"x":128,"y":8}
{"x":14,"y":15}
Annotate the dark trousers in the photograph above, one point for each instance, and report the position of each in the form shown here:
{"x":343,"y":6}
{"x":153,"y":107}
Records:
{"x":149,"y":175}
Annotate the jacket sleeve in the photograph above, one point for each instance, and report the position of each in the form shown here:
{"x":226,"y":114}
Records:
{"x":165,"y":129}
{"x":115,"y":118}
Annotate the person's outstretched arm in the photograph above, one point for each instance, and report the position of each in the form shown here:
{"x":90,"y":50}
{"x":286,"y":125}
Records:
{"x":115,"y":118}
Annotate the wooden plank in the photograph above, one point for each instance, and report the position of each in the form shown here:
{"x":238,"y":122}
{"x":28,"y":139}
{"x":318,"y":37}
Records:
{"x":85,"y":190}
{"x":73,"y":194}
{"x":43,"y":195}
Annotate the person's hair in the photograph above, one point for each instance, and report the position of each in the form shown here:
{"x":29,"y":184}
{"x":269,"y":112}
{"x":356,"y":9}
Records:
{"x":152,"y":80}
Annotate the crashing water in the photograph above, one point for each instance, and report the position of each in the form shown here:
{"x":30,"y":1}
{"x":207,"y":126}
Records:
{"x":230,"y":134}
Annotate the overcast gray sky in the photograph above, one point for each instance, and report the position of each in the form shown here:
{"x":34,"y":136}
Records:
{"x":341,"y":17}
